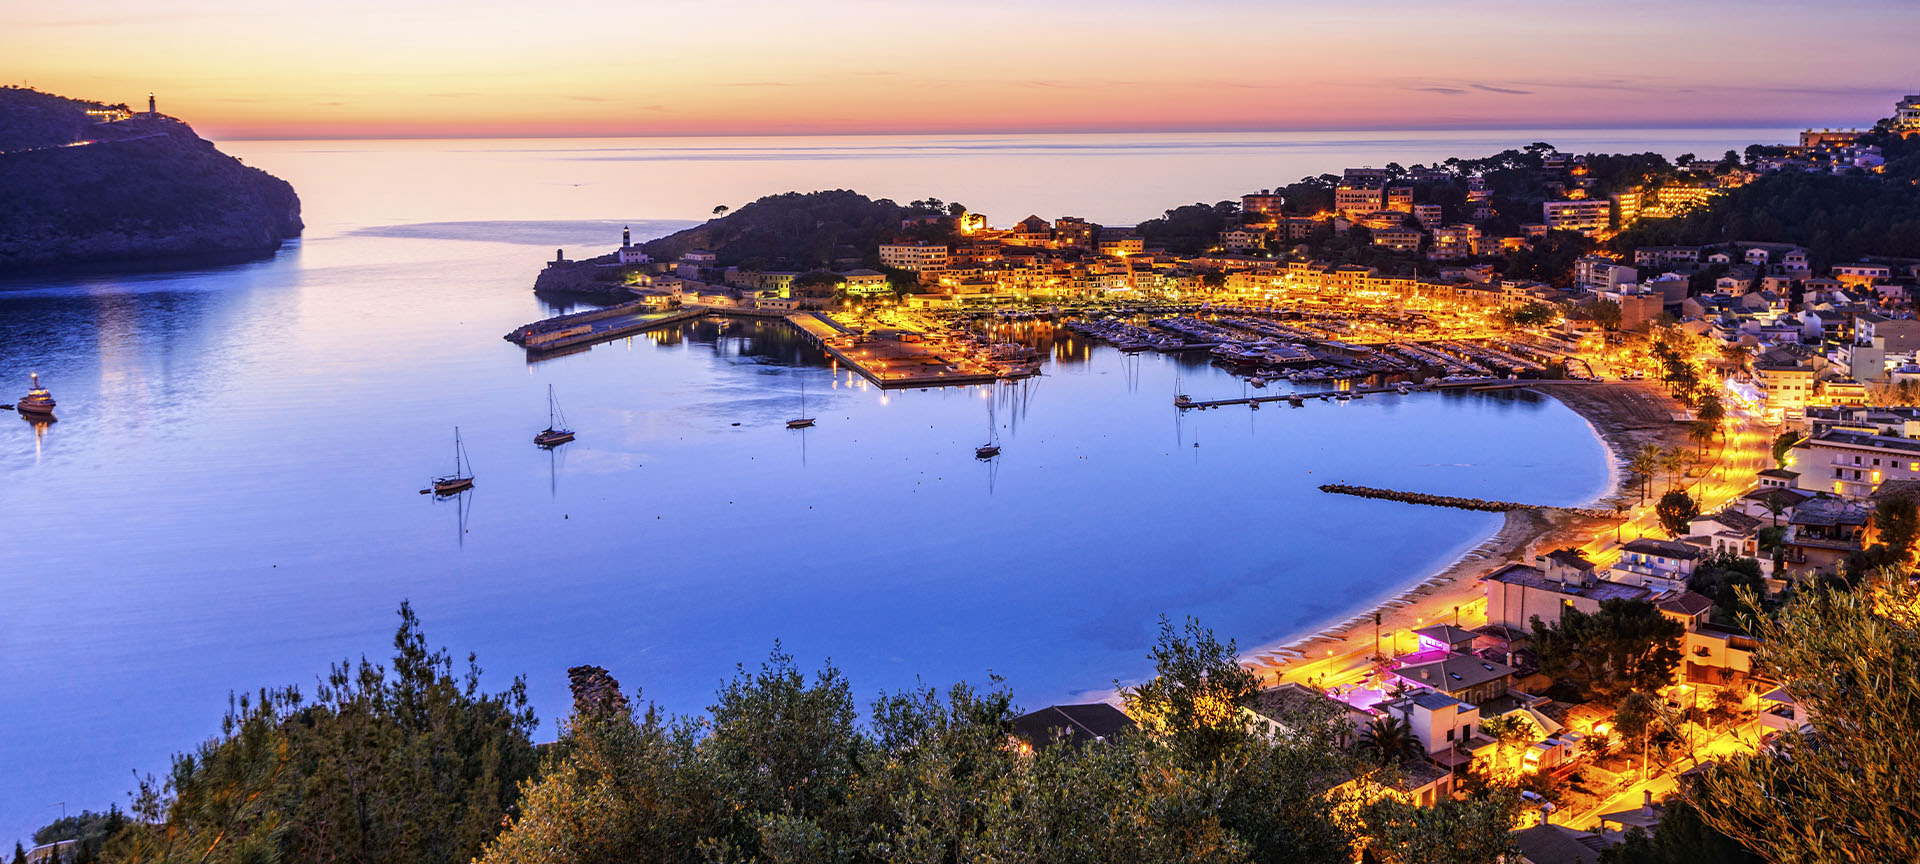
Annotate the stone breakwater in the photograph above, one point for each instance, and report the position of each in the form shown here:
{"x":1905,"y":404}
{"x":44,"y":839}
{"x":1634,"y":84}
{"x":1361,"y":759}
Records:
{"x":1455,"y":502}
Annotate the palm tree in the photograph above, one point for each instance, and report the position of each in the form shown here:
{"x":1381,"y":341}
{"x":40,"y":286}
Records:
{"x":1701,"y":432}
{"x":1390,"y":741}
{"x":1675,"y":461}
{"x":1645,"y":461}
{"x":1711,"y":409}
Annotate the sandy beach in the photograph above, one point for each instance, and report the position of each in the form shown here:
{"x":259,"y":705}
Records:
{"x":1624,"y":415}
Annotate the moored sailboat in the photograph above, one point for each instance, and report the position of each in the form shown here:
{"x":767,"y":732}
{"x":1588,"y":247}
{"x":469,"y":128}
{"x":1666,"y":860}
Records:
{"x":556,"y":432}
{"x":462,"y":477}
{"x":992,"y":447}
{"x":802,"y":421}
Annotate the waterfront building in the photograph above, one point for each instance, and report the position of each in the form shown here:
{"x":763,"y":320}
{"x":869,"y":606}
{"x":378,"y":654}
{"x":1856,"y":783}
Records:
{"x":1518,"y":593}
{"x":864,"y":281}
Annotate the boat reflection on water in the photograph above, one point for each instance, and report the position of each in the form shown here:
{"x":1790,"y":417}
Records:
{"x":40,"y":424}
{"x":462,"y":502}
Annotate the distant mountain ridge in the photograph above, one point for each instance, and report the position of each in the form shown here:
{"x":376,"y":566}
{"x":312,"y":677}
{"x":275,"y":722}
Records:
{"x":143,"y":189}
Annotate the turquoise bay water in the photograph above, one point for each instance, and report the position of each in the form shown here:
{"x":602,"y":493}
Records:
{"x":229,"y":498}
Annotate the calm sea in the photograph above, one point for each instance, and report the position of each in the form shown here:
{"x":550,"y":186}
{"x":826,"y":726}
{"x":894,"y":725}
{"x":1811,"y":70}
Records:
{"x":229,"y":499}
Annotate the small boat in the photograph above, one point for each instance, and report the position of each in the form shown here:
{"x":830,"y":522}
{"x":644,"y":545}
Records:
{"x":37,"y":400}
{"x":802,"y":421}
{"x":556,"y":432}
{"x":462,"y":477}
{"x":992,"y":447}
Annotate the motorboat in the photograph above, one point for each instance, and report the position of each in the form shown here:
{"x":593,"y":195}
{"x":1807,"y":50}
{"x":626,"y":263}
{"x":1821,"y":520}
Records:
{"x":37,"y":401}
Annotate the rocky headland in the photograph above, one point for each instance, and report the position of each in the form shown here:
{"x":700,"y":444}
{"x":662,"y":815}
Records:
{"x":121,"y":187}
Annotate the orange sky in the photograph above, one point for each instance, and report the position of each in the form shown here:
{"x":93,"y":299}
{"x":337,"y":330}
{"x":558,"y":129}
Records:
{"x":490,"y":67}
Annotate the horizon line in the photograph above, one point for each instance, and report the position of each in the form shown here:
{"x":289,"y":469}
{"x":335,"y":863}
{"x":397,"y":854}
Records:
{"x":1092,"y":130}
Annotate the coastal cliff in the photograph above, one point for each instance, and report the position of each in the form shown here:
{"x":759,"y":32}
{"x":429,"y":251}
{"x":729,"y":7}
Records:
{"x":132,"y":188}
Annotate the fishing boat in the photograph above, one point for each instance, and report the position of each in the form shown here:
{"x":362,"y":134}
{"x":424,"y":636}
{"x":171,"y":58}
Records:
{"x":37,"y":401}
{"x":462,"y":477}
{"x":556,"y":432}
{"x":802,"y":421}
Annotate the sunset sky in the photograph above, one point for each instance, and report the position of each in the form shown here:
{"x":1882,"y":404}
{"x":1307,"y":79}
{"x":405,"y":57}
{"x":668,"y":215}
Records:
{"x":351,"y":68}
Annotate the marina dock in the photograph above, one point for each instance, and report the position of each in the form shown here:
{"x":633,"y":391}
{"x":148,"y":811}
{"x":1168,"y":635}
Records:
{"x":1475,"y":384}
{"x":599,"y":325}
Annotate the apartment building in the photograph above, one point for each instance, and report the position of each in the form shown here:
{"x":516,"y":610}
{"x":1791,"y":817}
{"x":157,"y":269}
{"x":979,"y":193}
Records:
{"x":919,"y":256}
{"x":1588,"y":216}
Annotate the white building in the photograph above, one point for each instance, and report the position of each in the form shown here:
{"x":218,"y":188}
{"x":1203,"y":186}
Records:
{"x":920,"y":257}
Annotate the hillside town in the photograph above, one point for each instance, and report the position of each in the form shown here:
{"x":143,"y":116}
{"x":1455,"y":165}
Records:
{"x":1785,"y":384}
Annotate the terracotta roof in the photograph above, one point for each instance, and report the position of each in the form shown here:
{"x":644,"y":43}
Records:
{"x":1685,"y":602}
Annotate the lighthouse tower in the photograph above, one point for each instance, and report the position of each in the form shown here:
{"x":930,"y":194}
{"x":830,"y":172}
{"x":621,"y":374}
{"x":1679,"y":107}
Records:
{"x":629,"y":254}
{"x":151,"y":110}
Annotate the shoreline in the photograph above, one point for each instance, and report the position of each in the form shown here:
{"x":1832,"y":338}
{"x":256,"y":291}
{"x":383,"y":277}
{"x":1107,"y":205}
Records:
{"x":1624,"y":416}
